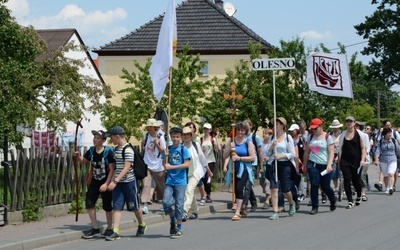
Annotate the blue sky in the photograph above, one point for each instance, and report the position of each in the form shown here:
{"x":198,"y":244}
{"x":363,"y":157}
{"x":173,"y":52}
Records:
{"x":100,"y":22}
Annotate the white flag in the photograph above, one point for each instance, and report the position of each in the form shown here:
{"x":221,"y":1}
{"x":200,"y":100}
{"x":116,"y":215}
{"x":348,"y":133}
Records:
{"x":166,"y":47}
{"x":329,"y":74}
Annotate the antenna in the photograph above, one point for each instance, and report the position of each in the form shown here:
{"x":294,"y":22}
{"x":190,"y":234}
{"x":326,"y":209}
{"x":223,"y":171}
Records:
{"x":229,"y":9}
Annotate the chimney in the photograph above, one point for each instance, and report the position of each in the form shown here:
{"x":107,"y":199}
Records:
{"x":219,"y":3}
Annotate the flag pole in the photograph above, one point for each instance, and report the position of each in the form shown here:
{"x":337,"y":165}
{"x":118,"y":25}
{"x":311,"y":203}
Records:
{"x":169,"y":97}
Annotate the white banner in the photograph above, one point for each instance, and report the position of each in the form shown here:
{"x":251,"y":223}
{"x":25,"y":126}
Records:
{"x":166,"y":46}
{"x":329,"y":74}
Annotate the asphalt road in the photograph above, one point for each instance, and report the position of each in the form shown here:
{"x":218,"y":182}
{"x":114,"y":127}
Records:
{"x":375,"y":224}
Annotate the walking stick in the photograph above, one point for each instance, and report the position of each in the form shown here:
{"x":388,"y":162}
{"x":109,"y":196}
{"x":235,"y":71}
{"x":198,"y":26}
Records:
{"x":233,"y":97}
{"x":78,"y":124}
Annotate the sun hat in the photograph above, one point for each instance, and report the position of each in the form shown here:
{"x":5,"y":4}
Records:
{"x":281,"y":120}
{"x":336,"y":124}
{"x":151,"y":123}
{"x":187,"y":130}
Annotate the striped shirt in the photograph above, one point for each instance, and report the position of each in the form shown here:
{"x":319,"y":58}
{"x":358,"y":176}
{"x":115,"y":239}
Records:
{"x":120,"y":163}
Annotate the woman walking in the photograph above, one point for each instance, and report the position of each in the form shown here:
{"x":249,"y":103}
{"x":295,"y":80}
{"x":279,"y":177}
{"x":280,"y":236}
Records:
{"x":318,"y":157}
{"x":242,"y":153}
{"x":386,"y":157}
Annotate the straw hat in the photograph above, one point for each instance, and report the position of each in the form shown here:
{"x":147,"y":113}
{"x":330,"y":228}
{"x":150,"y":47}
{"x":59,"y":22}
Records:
{"x":336,"y":124}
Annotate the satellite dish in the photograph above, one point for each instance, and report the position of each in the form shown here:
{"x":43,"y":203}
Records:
{"x":229,"y":9}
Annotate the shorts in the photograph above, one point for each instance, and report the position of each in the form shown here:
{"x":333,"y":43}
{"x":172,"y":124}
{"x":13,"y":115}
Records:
{"x":336,"y":174}
{"x":93,"y":193}
{"x":126,"y":193}
{"x":284,"y":175}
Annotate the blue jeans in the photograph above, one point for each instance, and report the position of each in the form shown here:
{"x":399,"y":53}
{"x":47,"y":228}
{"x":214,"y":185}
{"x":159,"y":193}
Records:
{"x":177,"y":194}
{"x":336,"y":174}
{"x":314,"y":173}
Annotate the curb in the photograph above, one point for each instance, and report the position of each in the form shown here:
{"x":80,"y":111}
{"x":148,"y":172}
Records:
{"x":67,"y":236}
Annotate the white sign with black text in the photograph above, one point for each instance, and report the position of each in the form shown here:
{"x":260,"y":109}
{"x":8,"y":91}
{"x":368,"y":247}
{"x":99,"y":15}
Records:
{"x":274,"y":64}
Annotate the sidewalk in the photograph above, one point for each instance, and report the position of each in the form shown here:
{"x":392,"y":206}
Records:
{"x":54,"y":230}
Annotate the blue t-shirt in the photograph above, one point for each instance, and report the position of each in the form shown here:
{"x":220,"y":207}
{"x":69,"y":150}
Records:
{"x":242,"y":151}
{"x":177,"y":177}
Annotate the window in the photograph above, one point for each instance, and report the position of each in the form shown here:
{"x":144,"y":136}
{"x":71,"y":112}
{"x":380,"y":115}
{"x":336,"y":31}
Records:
{"x":204,"y":70}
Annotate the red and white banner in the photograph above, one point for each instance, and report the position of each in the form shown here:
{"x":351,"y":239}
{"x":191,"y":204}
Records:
{"x":329,"y":74}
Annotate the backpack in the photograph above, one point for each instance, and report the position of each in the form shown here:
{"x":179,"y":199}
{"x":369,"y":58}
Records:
{"x":139,"y":166}
{"x":105,"y":159}
{"x":394,"y":142}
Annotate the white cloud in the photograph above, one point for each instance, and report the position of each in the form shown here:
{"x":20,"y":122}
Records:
{"x":91,"y":24}
{"x":315,"y":35}
{"x":19,"y":8}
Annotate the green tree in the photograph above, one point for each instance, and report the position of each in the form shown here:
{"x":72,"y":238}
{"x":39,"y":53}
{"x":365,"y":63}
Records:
{"x":138,"y":102}
{"x":37,"y":84}
{"x":381,"y":30}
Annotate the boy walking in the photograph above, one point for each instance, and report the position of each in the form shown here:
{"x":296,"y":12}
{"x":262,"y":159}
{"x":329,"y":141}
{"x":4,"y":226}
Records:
{"x":102,"y":162}
{"x":176,"y":163}
{"x":124,"y":185}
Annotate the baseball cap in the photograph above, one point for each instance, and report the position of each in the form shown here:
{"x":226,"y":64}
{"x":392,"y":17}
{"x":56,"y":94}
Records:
{"x":100,"y":133}
{"x":207,"y":126}
{"x":176,"y":130}
{"x":293,"y":127}
{"x":160,"y":123}
{"x":315,"y":123}
{"x":117,"y":130}
{"x":350,"y":118}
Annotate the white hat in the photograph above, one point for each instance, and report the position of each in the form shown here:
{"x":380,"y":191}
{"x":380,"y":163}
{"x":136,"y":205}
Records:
{"x":207,"y":126}
{"x":336,"y":124}
{"x":293,"y":127}
{"x":160,"y":123}
{"x":151,"y":123}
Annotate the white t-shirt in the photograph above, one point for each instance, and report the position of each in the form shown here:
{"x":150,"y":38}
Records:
{"x":152,"y":156}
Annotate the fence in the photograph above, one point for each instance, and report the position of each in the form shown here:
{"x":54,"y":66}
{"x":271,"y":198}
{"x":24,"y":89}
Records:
{"x":47,"y":178}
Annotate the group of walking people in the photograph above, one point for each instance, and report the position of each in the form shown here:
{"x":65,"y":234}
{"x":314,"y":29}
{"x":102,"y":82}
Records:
{"x":180,"y":162}
{"x":177,"y":164}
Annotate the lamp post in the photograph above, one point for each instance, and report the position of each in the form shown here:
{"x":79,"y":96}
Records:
{"x":232,"y":97}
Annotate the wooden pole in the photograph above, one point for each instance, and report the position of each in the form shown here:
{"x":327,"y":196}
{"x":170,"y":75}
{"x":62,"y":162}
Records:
{"x":78,"y":124}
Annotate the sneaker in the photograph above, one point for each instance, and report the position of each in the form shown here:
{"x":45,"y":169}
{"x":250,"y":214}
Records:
{"x":253,"y":208}
{"x":141,"y":230}
{"x":92,"y":233}
{"x":274,"y":216}
{"x":145,"y":210}
{"x":208,"y":199}
{"x":202,"y":202}
{"x":297,"y":205}
{"x":391,"y":191}
{"x":350,"y":205}
{"x":301,"y":198}
{"x":324,"y":199}
{"x":378,"y":186}
{"x":176,"y":235}
{"x":173,"y":228}
{"x":234,"y":206}
{"x":184,"y":217}
{"x":358,"y":201}
{"x":387,"y":191}
{"x":194,"y":216}
{"x":314,"y":211}
{"x":113,"y":236}
{"x":292,"y":209}
{"x":332,"y":207}
{"x":309,"y":203}
{"x":266,"y":205}
{"x":394,"y":188}
{"x":107,"y":233}
{"x":364,"y":197}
